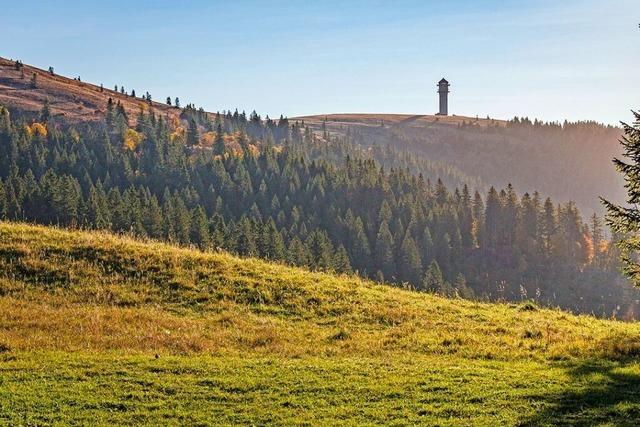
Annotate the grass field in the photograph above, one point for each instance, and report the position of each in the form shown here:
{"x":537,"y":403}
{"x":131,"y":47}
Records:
{"x":99,"y":329}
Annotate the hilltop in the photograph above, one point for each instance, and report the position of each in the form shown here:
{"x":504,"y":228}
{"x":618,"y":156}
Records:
{"x":336,"y":121}
{"x":108,"y":329}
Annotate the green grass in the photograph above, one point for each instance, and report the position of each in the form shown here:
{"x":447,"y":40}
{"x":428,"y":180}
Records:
{"x":99,"y":329}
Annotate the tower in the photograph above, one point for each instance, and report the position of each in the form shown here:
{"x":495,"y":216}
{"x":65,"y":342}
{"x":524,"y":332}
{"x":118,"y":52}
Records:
{"x":443,"y":90}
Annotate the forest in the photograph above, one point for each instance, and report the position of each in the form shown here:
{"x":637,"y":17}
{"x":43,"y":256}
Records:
{"x":564,"y":160}
{"x":275,"y":189}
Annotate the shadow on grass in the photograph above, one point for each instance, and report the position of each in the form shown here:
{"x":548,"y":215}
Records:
{"x":598,"y":393}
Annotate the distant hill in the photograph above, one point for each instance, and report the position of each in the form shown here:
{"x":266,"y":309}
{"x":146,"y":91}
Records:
{"x":569,"y":161}
{"x":100,"y":329}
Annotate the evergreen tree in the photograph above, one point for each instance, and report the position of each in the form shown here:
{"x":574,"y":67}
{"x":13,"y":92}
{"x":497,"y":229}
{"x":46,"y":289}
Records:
{"x":410,"y":265}
{"x":45,"y":113}
{"x":297,"y":253}
{"x":596,"y":239}
{"x":341,"y":262}
{"x":384,"y":257}
{"x":625,"y":220}
{"x":271,"y":243}
{"x":320,"y":250}
{"x":547,"y":228}
{"x":218,"y":144}
{"x":433,"y":280}
{"x":246,"y":239}
{"x":200,"y":228}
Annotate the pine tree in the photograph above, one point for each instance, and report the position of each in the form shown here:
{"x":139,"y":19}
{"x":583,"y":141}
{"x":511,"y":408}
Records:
{"x":462,"y":289}
{"x":320,"y":250}
{"x":193,"y":134}
{"x":384,"y":258}
{"x":153,"y":221}
{"x":218,"y":143}
{"x":246,"y":239}
{"x":410,"y":265}
{"x":465,"y":216}
{"x":548,"y":228}
{"x":442,"y":194}
{"x":596,"y":239}
{"x":271,"y":243}
{"x":625,"y":220}
{"x":433,"y":280}
{"x":181,"y":220}
{"x":492,"y":220}
{"x":360,"y":249}
{"x":45,"y":113}
{"x":297,"y":253}
{"x":3,"y":202}
{"x":200,"y":228}
{"x":341,"y":262}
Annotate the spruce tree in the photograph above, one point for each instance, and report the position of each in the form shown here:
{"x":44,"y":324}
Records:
{"x":384,"y":259}
{"x":625,"y":220}
{"x":246,"y":239}
{"x":193,"y":134}
{"x":45,"y":113}
{"x":433,"y":280}
{"x":341,"y":262}
{"x":297,"y":253}
{"x":218,"y":143}
{"x":3,"y":202}
{"x":410,"y":265}
{"x":596,"y":239}
{"x":200,"y":228}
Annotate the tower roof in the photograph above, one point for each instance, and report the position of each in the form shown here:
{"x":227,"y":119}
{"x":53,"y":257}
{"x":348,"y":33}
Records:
{"x":443,"y":81}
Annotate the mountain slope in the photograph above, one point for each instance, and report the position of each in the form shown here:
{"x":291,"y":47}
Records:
{"x":111,"y":330}
{"x":72,"y":99}
{"x":571,"y":161}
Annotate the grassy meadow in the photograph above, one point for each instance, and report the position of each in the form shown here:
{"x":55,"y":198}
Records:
{"x":101,"y":329}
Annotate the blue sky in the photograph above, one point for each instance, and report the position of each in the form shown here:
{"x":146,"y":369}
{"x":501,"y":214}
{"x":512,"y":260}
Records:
{"x":554,"y":60}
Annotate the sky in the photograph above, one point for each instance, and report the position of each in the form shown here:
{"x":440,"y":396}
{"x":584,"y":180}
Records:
{"x":552,"y":60}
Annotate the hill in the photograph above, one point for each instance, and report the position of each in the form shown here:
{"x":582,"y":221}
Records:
{"x":103,"y":329}
{"x":71,"y":99}
{"x":569,"y":161}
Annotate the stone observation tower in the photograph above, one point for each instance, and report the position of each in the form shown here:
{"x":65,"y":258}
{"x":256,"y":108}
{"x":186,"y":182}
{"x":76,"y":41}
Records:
{"x":443,"y":90}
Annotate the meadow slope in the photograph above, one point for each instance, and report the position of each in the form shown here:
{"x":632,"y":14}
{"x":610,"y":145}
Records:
{"x":102,"y":329}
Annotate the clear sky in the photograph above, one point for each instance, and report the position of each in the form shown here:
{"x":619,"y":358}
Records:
{"x":554,"y":60}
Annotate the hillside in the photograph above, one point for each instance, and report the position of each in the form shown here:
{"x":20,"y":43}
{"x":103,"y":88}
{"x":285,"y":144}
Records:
{"x":71,"y":99}
{"x":571,"y":161}
{"x":567,"y":163}
{"x":104,"y":329}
